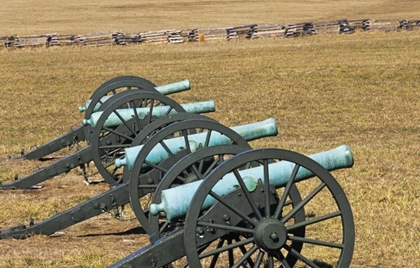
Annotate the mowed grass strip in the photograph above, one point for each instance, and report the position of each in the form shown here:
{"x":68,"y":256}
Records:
{"x":323,"y":91}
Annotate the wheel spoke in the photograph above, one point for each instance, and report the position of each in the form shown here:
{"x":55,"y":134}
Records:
{"x":201,"y":166}
{"x":316,"y":242}
{"x":300,"y":256}
{"x":143,"y":103}
{"x":166,"y":148}
{"x":118,"y":133}
{"x":106,"y":158}
{"x":154,"y":166}
{"x":186,"y":140}
{"x":147,"y":186}
{"x":230,"y":253}
{"x":230,"y":246}
{"x":216,"y":256}
{"x":125,"y":122}
{"x":303,"y":202}
{"x":225,"y":227}
{"x":136,"y":116}
{"x":246,"y":256}
{"x":285,"y":264}
{"x":270,"y":263}
{"x":114,"y":146}
{"x":169,"y":111}
{"x":106,"y":164}
{"x":207,"y":141}
{"x":244,"y":250}
{"x":259,"y":259}
{"x":312,"y":221}
{"x":247,"y":194}
{"x":197,"y":173}
{"x":266,"y":189}
{"x":183,"y":180}
{"x":112,"y":156}
{"x":233,"y":209}
{"x":114,"y":170}
{"x":164,"y":226}
{"x":212,"y":166}
{"x":287,"y":188}
{"x":150,"y":111}
{"x":279,"y":256}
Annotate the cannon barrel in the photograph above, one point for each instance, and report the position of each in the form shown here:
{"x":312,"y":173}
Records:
{"x":158,"y":111}
{"x":175,"y":201}
{"x":164,"y":89}
{"x":249,"y":132}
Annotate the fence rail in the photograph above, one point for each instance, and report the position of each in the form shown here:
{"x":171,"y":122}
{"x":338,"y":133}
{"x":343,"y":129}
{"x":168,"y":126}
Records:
{"x":250,"y":31}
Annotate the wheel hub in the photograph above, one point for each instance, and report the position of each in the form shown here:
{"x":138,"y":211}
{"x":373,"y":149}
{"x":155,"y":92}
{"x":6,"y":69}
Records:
{"x":270,"y":234}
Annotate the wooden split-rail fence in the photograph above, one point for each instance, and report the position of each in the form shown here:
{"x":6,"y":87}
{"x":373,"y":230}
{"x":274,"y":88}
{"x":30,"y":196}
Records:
{"x":250,"y":31}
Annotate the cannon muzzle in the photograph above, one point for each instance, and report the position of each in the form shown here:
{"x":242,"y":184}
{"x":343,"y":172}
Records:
{"x":164,"y":89}
{"x":249,"y":132}
{"x":158,"y":111}
{"x":175,"y":201}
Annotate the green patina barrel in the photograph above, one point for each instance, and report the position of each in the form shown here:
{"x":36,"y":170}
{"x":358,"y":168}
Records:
{"x":175,"y":201}
{"x":164,"y":89}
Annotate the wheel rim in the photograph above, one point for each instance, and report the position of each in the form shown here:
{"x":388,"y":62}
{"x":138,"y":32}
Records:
{"x":108,"y":143}
{"x":119,"y":79}
{"x":329,"y":226}
{"x":118,"y":85}
{"x":142,"y":183}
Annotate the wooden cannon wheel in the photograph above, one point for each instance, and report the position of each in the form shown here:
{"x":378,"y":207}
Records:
{"x":156,"y":126}
{"x":193,"y":165}
{"x":109,"y":143}
{"x":115,"y":86}
{"x":105,"y":87}
{"x":254,"y":228}
{"x":143,"y":183}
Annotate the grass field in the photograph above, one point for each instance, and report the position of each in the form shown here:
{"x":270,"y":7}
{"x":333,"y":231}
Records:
{"x":24,"y":17}
{"x":323,"y":91}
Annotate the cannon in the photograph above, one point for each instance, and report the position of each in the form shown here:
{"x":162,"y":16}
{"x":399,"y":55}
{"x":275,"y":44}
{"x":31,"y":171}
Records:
{"x":107,"y":142}
{"x":164,"y":89}
{"x":104,"y":92}
{"x":201,"y":193}
{"x":257,"y":208}
{"x":186,"y":125}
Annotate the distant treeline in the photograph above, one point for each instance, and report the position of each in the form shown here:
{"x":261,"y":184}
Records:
{"x":251,"y":31}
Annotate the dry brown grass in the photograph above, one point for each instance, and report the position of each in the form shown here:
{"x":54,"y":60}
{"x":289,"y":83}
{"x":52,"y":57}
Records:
{"x":358,"y":89}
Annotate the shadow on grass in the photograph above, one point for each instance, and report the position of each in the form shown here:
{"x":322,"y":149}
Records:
{"x":322,"y":264}
{"x":133,"y":231}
